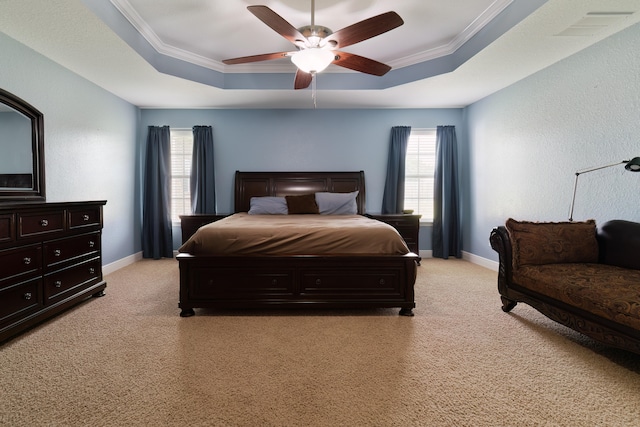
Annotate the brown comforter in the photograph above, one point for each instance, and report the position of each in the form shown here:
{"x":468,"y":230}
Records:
{"x":244,"y":234}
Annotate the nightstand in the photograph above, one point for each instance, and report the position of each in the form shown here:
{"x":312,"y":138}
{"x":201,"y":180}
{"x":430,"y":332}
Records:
{"x":190,"y":223}
{"x":408,"y":225}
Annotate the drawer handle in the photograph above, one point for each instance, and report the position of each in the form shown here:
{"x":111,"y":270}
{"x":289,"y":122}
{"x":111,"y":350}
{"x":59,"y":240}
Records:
{"x":57,"y":252}
{"x":57,"y":284}
{"x":91,"y":243}
{"x":274,"y":282}
{"x":44,"y":223}
{"x":318,"y":282}
{"x":92,"y":270}
{"x":382,"y":282}
{"x":26,"y":260}
{"x":27,"y":296}
{"x":85,"y":217}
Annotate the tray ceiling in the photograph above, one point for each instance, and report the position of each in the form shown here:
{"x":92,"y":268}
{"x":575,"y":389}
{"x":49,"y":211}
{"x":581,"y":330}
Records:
{"x":167,"y":53}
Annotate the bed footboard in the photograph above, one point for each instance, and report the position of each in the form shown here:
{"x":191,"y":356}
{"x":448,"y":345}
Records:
{"x":305,"y":280}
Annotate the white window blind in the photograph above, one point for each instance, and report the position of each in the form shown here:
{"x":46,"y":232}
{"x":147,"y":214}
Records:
{"x":181,"y":151}
{"x":419,"y":173}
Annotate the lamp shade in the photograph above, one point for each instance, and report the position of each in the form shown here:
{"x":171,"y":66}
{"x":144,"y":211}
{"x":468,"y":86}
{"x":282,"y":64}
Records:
{"x":633,"y":165}
{"x":313,"y":60}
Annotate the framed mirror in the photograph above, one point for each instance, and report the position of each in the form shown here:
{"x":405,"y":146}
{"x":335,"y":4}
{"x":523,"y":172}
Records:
{"x":22,"y":150}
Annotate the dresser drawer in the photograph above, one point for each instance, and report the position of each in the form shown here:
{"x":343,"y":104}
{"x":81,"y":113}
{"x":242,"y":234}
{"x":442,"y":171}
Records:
{"x":71,"y":280}
{"x":59,"y":251}
{"x":38,"y":224}
{"x":18,"y":264}
{"x":407,"y":225}
{"x":189,"y":224}
{"x":7,"y":228}
{"x":412,"y":243}
{"x":19,"y":299}
{"x":50,"y":259}
{"x":87,"y":217}
{"x":409,"y":234}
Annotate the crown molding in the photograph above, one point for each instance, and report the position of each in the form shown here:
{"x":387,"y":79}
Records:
{"x":131,"y":15}
{"x":471,"y":30}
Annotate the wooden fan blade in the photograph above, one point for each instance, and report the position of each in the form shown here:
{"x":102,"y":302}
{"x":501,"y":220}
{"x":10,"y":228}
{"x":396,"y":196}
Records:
{"x":360,"y":63}
{"x":303,"y":80}
{"x":364,"y":30}
{"x":255,"y":58}
{"x":277,"y":23}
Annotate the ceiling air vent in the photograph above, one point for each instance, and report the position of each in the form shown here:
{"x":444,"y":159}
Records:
{"x":593,"y":23}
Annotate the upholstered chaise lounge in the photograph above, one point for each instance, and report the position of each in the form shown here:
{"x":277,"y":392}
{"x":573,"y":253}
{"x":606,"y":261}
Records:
{"x":580,"y":275}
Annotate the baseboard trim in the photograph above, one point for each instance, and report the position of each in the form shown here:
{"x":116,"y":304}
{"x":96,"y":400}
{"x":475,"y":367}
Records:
{"x":426,"y":254}
{"x":121,"y":263}
{"x":484,"y":262}
{"x":475,"y":259}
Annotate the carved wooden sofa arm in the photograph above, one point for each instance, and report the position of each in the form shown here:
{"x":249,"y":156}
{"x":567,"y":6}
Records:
{"x":500,"y":242}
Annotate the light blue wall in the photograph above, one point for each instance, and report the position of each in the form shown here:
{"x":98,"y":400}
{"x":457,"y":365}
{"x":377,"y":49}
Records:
{"x":526,"y":142}
{"x":91,"y":141}
{"x":519,"y":148}
{"x":303,"y":140}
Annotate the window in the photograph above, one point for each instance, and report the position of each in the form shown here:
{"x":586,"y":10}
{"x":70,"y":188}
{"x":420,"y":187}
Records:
{"x":419,"y":173}
{"x":181,"y":149}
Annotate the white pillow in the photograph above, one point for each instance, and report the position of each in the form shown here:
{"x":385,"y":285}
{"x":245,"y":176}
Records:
{"x":337,"y":203}
{"x":268,"y":205}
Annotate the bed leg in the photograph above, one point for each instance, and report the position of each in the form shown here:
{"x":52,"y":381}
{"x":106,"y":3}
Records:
{"x":406,"y":312}
{"x":187,"y":312}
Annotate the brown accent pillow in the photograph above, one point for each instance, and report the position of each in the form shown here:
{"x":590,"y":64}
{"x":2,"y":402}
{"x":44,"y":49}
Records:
{"x":305,"y":204}
{"x":536,"y":243}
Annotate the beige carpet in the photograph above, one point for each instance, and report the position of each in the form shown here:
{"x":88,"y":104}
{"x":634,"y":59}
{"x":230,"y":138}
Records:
{"x":128,"y":359}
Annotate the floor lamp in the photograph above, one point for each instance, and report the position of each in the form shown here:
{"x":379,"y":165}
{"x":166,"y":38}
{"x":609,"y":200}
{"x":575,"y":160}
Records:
{"x":632,"y":165}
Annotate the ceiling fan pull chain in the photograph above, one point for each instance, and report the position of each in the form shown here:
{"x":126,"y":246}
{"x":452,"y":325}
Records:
{"x":313,"y":91}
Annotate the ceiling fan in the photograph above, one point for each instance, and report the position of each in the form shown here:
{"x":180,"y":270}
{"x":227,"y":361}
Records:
{"x":318,"y":46}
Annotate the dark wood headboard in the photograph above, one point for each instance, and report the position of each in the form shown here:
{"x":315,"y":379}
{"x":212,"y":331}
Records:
{"x":257,"y":184}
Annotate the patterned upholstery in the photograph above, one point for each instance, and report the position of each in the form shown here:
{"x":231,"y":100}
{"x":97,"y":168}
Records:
{"x":539,"y":243}
{"x":598,"y":296}
{"x":604,"y":290}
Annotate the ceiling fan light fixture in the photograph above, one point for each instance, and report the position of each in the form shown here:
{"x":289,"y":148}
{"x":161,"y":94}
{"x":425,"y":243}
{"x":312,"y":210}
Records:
{"x":316,"y":44}
{"x":314,"y":40}
{"x":313,"y":60}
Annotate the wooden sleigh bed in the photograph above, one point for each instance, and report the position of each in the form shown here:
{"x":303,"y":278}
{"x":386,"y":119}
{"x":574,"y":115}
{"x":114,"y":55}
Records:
{"x":257,"y":281}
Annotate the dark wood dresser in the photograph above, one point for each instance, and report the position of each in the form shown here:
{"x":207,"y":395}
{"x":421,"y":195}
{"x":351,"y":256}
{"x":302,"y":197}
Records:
{"x":50,"y":260}
{"x":189,"y":224}
{"x":408,"y":225}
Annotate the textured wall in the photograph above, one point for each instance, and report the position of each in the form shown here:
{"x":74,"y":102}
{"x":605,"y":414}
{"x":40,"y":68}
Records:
{"x":527,"y":141}
{"x":305,"y":140}
{"x":519,"y":147}
{"x":90,"y":141}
